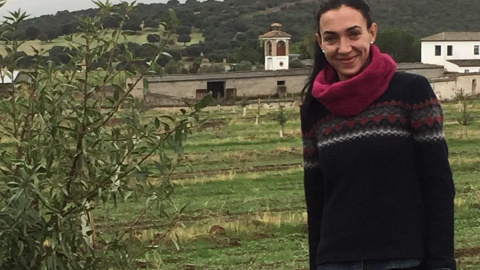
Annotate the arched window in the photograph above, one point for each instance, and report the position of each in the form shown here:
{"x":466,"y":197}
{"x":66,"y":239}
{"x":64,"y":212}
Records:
{"x":269,"y":48}
{"x":281,"y":48}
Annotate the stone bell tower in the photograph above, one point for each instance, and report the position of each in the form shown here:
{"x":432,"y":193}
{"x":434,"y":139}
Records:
{"x":276,"y":44}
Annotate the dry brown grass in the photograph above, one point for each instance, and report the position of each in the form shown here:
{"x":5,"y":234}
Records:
{"x":221,"y":177}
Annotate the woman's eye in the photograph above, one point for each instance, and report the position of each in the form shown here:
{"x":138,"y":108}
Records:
{"x":355,"y":34}
{"x":329,"y":39}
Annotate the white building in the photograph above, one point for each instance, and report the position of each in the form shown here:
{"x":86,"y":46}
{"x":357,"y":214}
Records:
{"x":456,"y":51}
{"x":276,"y":44}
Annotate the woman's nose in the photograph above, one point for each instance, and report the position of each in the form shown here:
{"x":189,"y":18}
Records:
{"x":344,"y":46}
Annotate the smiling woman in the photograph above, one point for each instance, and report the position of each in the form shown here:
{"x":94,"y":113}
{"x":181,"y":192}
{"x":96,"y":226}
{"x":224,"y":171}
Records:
{"x":345,"y":38}
{"x":378,"y":185}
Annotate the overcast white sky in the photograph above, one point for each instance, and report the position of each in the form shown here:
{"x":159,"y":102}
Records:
{"x":41,"y":7}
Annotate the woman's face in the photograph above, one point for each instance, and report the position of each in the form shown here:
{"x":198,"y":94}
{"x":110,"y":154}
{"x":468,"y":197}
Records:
{"x":345,"y":39}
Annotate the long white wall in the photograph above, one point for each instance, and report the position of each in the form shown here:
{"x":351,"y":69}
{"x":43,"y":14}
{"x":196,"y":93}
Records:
{"x":447,"y":89}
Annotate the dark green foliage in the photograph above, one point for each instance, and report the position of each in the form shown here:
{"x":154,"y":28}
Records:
{"x":183,"y":30}
{"x":222,"y":22}
{"x":299,"y":18}
{"x":195,"y":67}
{"x":43,"y":37}
{"x":69,"y":28}
{"x":60,"y":54}
{"x":151,"y":22}
{"x":281,"y":116}
{"x":68,"y":146}
{"x":51,"y":33}
{"x":133,"y":24}
{"x":244,"y":66}
{"x":145,"y":51}
{"x":173,"y":67}
{"x":176,"y":55}
{"x":32,"y":32}
{"x":400,"y":44}
{"x":297,"y":63}
{"x":24,"y":61}
{"x":193,"y":50}
{"x":152,"y":38}
{"x":173,"y":3}
{"x":184,"y":39}
{"x":247,"y":53}
{"x":110,"y":22}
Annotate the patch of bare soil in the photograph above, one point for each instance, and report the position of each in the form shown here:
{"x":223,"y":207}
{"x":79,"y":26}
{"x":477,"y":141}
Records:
{"x":467,"y":252}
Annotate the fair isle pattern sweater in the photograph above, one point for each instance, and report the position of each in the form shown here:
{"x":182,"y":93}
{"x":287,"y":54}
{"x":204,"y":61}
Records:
{"x":378,"y":185}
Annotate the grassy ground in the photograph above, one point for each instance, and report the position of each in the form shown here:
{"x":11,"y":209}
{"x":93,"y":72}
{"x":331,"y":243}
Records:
{"x":140,"y":37}
{"x":244,"y":196}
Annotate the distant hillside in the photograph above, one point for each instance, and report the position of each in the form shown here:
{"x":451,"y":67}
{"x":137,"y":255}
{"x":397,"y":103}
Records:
{"x":232,"y":24}
{"x":225,"y":19}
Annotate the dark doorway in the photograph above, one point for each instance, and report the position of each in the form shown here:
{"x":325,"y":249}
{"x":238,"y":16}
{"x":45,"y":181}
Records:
{"x":217,"y":88}
{"x":281,"y":88}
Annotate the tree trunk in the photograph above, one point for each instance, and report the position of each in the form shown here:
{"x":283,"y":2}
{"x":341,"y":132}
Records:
{"x":464,"y":136}
{"x":244,"y":111}
{"x":256,"y":119}
{"x":281,"y":131}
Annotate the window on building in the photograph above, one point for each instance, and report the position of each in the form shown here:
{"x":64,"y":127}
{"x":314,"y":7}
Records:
{"x":281,"y":48}
{"x":269,"y":48}
{"x":467,"y":70}
{"x":476,"y":50}
{"x":279,"y":83}
{"x":449,"y":50}
{"x":438,"y":50}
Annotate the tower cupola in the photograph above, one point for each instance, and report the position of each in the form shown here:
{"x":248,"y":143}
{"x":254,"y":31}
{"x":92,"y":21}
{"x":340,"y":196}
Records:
{"x":276,"y":44}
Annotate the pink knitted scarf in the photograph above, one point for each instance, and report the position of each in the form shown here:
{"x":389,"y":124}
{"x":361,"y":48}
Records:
{"x":350,"y":97}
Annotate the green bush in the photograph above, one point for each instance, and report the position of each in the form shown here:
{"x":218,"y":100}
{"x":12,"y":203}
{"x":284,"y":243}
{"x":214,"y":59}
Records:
{"x":69,"y":147}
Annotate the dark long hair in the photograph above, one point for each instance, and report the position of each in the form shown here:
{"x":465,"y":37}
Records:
{"x":319,"y":61}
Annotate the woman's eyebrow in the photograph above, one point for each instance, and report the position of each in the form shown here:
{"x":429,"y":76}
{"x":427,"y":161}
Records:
{"x":348,"y":29}
{"x":354,"y":28}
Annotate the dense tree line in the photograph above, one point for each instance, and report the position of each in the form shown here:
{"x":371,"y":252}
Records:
{"x":225,"y":19}
{"x":232,"y":27}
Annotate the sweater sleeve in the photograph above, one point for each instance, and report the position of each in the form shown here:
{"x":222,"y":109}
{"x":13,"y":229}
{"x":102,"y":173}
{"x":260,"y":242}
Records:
{"x":314,"y":194}
{"x":426,"y":121}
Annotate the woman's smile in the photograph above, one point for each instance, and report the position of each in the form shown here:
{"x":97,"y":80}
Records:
{"x":347,"y":60}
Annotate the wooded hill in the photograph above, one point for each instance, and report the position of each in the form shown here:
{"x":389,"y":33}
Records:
{"x":231,"y":24}
{"x":225,"y":19}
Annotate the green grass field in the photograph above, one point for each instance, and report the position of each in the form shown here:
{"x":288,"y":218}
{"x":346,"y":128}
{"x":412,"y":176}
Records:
{"x":243,"y":178}
{"x":140,"y":37}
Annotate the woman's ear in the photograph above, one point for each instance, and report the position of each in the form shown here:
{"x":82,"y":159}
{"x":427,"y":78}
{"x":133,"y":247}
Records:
{"x":373,"y":31}
{"x":319,"y":40}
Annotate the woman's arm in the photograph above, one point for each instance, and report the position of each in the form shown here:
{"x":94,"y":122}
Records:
{"x":426,"y":120}
{"x":314,"y":194}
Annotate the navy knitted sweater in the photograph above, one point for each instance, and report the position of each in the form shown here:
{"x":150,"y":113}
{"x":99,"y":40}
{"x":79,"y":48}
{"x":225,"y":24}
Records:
{"x":378,"y":185}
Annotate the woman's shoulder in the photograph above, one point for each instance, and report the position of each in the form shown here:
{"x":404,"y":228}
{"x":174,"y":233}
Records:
{"x":412,"y":87}
{"x":405,"y":78}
